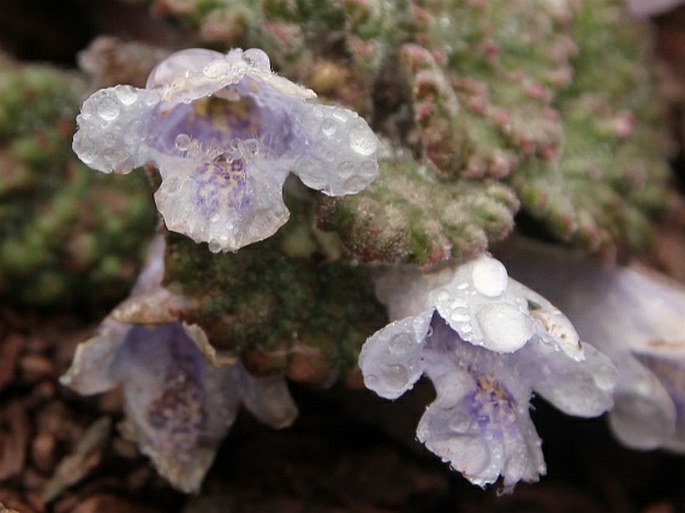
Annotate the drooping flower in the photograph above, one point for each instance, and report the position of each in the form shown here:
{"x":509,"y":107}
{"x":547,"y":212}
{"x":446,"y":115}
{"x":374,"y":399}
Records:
{"x":637,"y":318}
{"x":180,"y":397}
{"x":224,"y":132}
{"x":486,"y":342}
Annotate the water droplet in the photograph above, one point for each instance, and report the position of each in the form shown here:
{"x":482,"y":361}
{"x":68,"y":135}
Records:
{"x":460,"y":316}
{"x":214,"y":246}
{"x":369,"y":168}
{"x":85,"y":149}
{"x":489,"y":277}
{"x":371,"y":380}
{"x":109,"y":155}
{"x":126,"y":94}
{"x":395,"y":376}
{"x":345,"y":169}
{"x":182,"y":142}
{"x":329,"y":127}
{"x":505,"y":328}
{"x":354,"y":185}
{"x":362,"y":140}
{"x":151,"y":99}
{"x":401,"y":343}
{"x":443,"y":296}
{"x":458,"y":303}
{"x":108,"y":108}
{"x":460,"y":423}
{"x":257,"y":58}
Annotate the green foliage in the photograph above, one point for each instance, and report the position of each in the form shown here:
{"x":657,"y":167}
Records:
{"x":281,"y":304}
{"x":551,"y":98}
{"x":411,"y":215}
{"x":68,"y":236}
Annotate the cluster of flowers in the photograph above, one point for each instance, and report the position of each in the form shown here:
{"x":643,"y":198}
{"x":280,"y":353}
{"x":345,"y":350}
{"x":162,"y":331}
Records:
{"x":224,"y":132}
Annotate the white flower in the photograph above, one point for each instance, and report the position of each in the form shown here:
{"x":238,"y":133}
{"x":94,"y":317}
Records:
{"x":224,"y":132}
{"x":486,"y":342}
{"x":637,"y":318}
{"x":180,"y":397}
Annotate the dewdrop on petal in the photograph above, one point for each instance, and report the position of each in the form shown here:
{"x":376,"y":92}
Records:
{"x":487,"y":343}
{"x":225,"y":132}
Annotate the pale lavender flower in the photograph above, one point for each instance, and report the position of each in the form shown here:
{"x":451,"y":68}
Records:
{"x":487,"y":343}
{"x":224,"y":132}
{"x":647,"y":8}
{"x":635,"y":317}
{"x":180,"y":396}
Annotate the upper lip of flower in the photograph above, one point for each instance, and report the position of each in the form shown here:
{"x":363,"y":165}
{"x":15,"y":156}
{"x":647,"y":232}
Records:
{"x":204,"y":110}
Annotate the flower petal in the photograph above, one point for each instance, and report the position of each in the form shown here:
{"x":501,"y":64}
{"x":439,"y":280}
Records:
{"x":479,"y":421}
{"x":391,"y":358}
{"x":224,"y":206}
{"x":340,"y":156}
{"x":224,"y":132}
{"x":267,"y":398}
{"x":91,"y":368}
{"x":178,"y":408}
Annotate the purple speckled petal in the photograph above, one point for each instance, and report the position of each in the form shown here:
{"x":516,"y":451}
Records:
{"x":199,"y":113}
{"x":180,"y":398}
{"x":479,"y":421}
{"x":176,"y":406}
{"x":487,"y":343}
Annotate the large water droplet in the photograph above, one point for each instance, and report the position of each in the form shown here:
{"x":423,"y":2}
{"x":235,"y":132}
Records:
{"x":489,"y":277}
{"x":214,"y":246}
{"x":126,"y":94}
{"x":108,"y":108}
{"x":257,"y":58}
{"x":505,"y":328}
{"x":363,"y":141}
{"x":182,"y":142}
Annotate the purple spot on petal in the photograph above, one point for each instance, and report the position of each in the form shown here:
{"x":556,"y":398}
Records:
{"x":221,"y":183}
{"x":491,"y":404}
{"x":177,"y":412}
